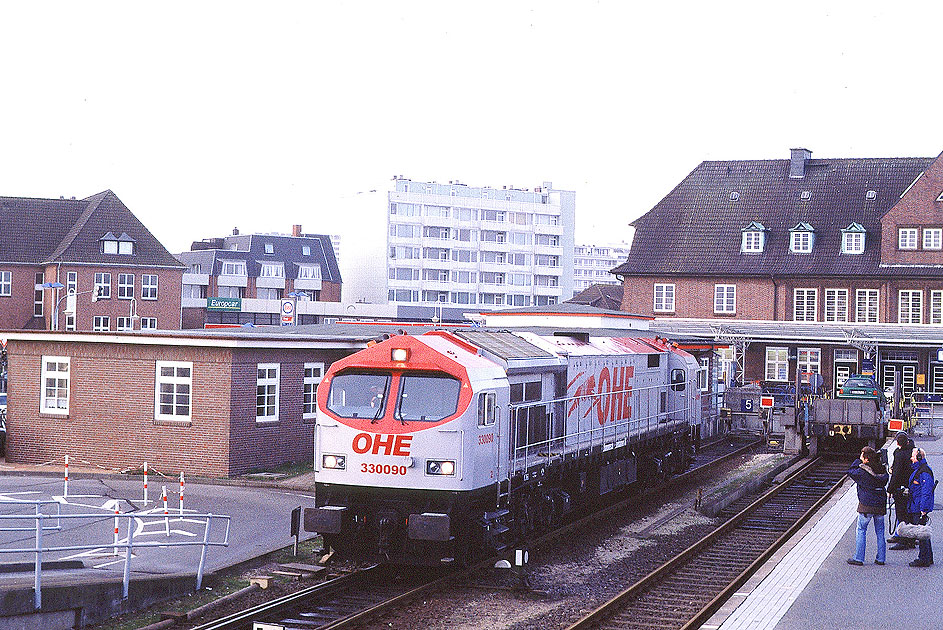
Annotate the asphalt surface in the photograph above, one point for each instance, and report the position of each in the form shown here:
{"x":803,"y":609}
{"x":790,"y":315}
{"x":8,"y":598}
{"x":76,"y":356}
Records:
{"x":258,"y":523}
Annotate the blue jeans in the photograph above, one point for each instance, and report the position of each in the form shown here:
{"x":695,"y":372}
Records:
{"x":861,"y":535}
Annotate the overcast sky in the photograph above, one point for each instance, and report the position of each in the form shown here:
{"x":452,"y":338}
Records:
{"x":204,"y":116}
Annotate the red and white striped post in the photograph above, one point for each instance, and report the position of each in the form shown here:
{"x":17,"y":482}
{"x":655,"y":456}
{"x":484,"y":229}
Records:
{"x":116,"y":528}
{"x":65,"y":482}
{"x":181,"y":495}
{"x":163,"y":497}
{"x":145,"y":483}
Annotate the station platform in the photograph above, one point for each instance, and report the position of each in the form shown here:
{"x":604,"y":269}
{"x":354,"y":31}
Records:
{"x":808,"y":583}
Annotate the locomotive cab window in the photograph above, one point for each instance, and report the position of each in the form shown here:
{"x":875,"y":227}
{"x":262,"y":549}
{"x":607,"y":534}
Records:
{"x":486,"y":409}
{"x":677,"y":380}
{"x":359,"y":395}
{"x":654,"y":360}
{"x":426,"y":398}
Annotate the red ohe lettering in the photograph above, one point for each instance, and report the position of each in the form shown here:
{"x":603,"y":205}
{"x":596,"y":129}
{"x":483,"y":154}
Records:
{"x":388,"y":444}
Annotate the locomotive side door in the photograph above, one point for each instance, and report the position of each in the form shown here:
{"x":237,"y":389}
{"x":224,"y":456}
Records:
{"x":488,"y":443}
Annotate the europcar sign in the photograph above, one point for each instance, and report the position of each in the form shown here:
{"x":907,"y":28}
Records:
{"x":223,"y":304}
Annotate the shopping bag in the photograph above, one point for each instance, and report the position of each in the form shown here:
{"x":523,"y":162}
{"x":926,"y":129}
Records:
{"x":908,"y":530}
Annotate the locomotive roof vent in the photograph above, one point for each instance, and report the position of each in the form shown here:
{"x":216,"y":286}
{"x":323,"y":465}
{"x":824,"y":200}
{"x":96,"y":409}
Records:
{"x":579,"y":336}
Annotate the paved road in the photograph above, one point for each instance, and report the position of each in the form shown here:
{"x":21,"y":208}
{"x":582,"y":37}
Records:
{"x":259,"y":523}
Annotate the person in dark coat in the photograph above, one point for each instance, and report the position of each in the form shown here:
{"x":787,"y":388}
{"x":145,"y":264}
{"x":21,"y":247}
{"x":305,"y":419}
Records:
{"x":870,"y":477}
{"x":921,"y":502}
{"x":900,"y":475}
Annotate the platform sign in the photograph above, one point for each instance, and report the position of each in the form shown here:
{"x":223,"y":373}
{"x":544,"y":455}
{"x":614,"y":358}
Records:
{"x":895,"y":425}
{"x":288,"y":312}
{"x":767,"y":402}
{"x":747,"y":405}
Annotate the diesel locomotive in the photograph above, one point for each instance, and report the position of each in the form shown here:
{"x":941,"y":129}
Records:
{"x":438,"y":447}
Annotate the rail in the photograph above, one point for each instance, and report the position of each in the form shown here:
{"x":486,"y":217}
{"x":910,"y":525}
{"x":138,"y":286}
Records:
{"x":40,"y":527}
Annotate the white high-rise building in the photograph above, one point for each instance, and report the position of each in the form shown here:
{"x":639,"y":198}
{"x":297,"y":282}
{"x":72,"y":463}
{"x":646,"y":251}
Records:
{"x":458,"y":247}
{"x":591,"y":264}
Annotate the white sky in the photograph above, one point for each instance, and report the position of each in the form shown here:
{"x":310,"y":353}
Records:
{"x":203,"y":116}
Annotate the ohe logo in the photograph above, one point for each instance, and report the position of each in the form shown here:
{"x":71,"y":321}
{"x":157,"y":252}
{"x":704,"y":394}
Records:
{"x":390,"y":444}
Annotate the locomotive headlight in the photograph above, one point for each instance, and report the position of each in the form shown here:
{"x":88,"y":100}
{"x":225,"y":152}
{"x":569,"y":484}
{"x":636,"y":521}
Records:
{"x":337,"y":462}
{"x":440,"y":467}
{"x":399,"y":355}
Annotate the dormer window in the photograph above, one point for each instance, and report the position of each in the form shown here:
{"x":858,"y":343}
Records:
{"x":309,"y":272}
{"x":801,"y":238}
{"x":852,"y":239}
{"x":272,"y":270}
{"x":111,"y":244}
{"x":269,"y":248}
{"x":305,"y":250}
{"x":805,"y":195}
{"x":753,"y":238}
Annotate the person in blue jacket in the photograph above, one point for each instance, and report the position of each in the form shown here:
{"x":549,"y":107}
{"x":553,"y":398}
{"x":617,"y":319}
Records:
{"x":870,"y":477}
{"x":921,"y":487}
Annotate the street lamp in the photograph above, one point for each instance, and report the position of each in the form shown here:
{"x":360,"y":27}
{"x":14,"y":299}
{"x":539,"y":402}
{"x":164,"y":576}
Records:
{"x":96,"y":293}
{"x":56,"y":286}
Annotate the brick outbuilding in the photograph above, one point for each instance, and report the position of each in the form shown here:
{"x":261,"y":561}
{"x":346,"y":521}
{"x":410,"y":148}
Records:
{"x":213,"y":403}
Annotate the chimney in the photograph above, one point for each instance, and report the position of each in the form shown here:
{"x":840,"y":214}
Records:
{"x":296,"y":230}
{"x":235,"y":231}
{"x":797,"y":160}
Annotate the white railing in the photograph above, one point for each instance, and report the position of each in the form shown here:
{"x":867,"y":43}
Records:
{"x":42,"y":523}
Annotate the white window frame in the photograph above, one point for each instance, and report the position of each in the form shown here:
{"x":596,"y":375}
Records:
{"x":6,"y":283}
{"x":148,"y":323}
{"x":149,"y":286}
{"x":806,"y":308}
{"x":101,"y":323}
{"x":801,"y":242}
{"x":836,"y":305}
{"x":932,"y":238}
{"x":125,"y":286}
{"x":664,"y":295}
{"x":272,"y":270}
{"x":109,"y":246}
{"x":809,"y":360}
{"x":124,"y":323}
{"x":125,"y":247}
{"x":267,"y":381}
{"x":233,"y":268}
{"x":180,"y":381}
{"x":313,"y":373}
{"x":51,"y":398}
{"x":777,"y":364}
{"x":725,"y":298}
{"x":703,"y":373}
{"x":909,"y":306}
{"x":867,"y":303}
{"x":309,"y":272}
{"x":751,"y":242}
{"x":852,"y":243}
{"x":103,"y":285}
{"x":907,"y":238}
{"x":936,"y":307}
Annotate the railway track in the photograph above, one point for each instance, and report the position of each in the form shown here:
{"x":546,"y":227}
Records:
{"x":331,"y":604}
{"x":354,"y":598}
{"x":687,"y":589}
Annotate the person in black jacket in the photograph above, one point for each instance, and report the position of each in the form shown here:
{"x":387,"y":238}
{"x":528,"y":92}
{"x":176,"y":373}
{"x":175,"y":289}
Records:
{"x":900,"y":474}
{"x":870,"y":478}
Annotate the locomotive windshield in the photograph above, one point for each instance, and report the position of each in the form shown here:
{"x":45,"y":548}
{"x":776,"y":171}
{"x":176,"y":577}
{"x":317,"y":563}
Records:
{"x":354,"y":395}
{"x":426,"y":398}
